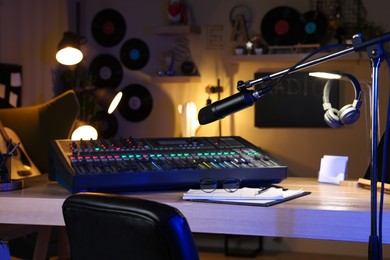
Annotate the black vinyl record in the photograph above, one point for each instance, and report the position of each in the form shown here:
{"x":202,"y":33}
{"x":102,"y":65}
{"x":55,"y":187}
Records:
{"x":106,"y":71}
{"x":315,"y":27}
{"x":106,"y":124}
{"x":282,"y":26}
{"x":136,"y":103}
{"x":108,"y":27}
{"x":134,"y":54}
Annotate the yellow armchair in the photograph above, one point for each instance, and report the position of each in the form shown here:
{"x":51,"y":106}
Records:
{"x":35,"y":126}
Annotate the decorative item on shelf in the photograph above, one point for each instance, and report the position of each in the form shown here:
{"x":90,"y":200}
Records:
{"x":240,"y":50}
{"x":240,"y":18}
{"x":178,"y":61}
{"x":249,"y":47}
{"x":166,"y":63}
{"x":177,"y":12}
{"x":188,"y":68}
{"x":282,"y":25}
{"x":259,"y":45}
{"x":182,"y":55}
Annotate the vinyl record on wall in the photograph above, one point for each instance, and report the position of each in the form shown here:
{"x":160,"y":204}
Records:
{"x":134,"y":54}
{"x":136,"y":103}
{"x":282,"y":26}
{"x":106,"y":71}
{"x":108,"y":27}
{"x":315,"y":27}
{"x":106,"y":124}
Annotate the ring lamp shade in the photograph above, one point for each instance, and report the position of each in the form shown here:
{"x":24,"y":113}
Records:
{"x":69,"y":52}
{"x":108,"y":99}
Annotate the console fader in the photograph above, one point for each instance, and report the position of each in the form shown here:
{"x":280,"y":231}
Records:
{"x":129,"y":164}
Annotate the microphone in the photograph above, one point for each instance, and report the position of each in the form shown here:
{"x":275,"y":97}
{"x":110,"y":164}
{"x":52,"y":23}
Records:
{"x":229,"y":105}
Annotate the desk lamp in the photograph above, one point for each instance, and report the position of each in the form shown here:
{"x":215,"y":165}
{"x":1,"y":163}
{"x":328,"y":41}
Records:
{"x":84,"y":131}
{"x":106,"y":98}
{"x":69,"y":52}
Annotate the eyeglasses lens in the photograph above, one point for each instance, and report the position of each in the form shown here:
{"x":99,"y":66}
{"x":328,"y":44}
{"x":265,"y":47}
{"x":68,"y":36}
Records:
{"x":208,"y":185}
{"x":231,"y":185}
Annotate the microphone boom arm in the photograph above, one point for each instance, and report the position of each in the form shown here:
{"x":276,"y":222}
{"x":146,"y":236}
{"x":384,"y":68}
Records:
{"x":357,"y":45}
{"x":374,"y":49}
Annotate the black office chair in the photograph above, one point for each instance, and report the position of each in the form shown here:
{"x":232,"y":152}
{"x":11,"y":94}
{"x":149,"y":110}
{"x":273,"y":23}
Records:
{"x":108,"y":226}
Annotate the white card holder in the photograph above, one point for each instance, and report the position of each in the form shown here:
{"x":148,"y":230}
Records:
{"x":333,"y":169}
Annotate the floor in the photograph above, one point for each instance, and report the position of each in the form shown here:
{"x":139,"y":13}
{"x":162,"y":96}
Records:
{"x":212,"y":248}
{"x":262,"y":256}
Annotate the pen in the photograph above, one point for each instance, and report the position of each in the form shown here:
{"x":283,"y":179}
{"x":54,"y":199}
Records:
{"x":261,"y":190}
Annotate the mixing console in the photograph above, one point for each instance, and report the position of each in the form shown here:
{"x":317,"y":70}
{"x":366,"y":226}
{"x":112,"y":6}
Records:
{"x":129,"y":164}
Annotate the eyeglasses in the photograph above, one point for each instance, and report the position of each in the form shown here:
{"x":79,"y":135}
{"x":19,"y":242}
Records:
{"x":209,"y":185}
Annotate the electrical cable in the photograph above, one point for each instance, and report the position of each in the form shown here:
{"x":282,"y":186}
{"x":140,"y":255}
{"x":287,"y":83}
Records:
{"x":322,"y":49}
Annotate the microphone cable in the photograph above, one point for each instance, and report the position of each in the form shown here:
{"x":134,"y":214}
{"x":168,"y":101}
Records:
{"x":322,"y":49}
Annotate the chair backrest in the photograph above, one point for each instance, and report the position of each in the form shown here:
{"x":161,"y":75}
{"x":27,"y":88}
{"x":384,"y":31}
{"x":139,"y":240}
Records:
{"x":37,"y":125}
{"x":109,"y":226}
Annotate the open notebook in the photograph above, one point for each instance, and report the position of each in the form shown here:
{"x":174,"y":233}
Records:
{"x":245,"y":196}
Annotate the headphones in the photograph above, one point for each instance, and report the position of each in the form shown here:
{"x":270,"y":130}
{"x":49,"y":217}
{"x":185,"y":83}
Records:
{"x":348,"y":114}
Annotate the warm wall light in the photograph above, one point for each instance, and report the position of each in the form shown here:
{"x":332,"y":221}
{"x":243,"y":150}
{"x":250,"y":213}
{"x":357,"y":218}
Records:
{"x":69,"y":52}
{"x":108,"y":99}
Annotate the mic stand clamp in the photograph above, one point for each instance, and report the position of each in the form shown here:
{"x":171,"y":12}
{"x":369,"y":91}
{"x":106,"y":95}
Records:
{"x":241,"y":86}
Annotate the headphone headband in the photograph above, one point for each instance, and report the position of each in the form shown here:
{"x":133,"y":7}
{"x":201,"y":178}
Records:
{"x":347,"y":114}
{"x":355,"y":83}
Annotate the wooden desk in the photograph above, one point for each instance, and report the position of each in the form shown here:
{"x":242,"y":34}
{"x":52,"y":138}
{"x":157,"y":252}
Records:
{"x":331,"y":212}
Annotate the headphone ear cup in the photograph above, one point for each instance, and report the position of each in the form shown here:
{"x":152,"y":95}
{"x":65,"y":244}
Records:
{"x":332,"y":119}
{"x":349,"y":115}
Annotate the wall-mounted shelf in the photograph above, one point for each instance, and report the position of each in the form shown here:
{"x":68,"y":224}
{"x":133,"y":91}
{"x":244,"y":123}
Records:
{"x":295,"y":57}
{"x":175,"y":79}
{"x":176,"y":30}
